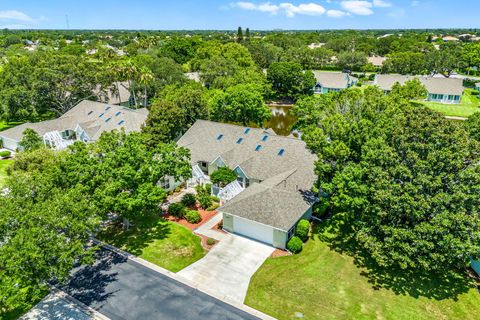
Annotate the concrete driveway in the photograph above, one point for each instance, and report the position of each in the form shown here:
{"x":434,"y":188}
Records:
{"x":226,"y":270}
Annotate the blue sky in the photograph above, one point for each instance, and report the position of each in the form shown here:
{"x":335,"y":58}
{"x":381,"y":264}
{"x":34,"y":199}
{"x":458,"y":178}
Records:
{"x":225,"y":14}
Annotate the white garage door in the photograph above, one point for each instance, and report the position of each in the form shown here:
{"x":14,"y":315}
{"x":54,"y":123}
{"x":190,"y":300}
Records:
{"x":253,"y":230}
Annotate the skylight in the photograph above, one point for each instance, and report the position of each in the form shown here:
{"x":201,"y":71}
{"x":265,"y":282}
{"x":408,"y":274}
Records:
{"x":265,"y":138}
{"x":118,"y":113}
{"x":239,"y":140}
{"x":258,"y":148}
{"x":220,"y":137}
{"x":101,"y":115}
{"x":246,"y":130}
{"x":121,"y":122}
{"x":281,"y":152}
{"x":108,"y":119}
{"x":90,"y":113}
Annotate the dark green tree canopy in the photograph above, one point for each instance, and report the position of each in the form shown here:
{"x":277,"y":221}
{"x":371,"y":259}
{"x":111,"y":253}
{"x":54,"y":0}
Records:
{"x":223,"y":176}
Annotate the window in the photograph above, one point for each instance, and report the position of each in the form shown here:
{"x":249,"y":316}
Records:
{"x":239,"y":140}
{"x":281,"y":152}
{"x":108,"y":119}
{"x":450,"y":97}
{"x":118,"y":113}
{"x":258,"y":148}
{"x":101,"y":115}
{"x":265,"y":138}
{"x":121,"y":122}
{"x":165,"y":183}
{"x":247,"y":131}
{"x":90,"y":113}
{"x":440,"y":96}
{"x":220,"y":137}
{"x":457,"y":98}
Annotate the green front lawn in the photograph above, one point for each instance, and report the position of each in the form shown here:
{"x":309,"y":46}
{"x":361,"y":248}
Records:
{"x":166,"y":244}
{"x":470,"y":104}
{"x":4,"y":125}
{"x":3,"y":170}
{"x":323,"y":284}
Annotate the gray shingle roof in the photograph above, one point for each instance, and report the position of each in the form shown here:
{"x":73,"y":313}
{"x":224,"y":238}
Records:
{"x":335,"y":80}
{"x":271,"y":202}
{"x":451,"y":86}
{"x":87,"y":115}
{"x":286,"y":178}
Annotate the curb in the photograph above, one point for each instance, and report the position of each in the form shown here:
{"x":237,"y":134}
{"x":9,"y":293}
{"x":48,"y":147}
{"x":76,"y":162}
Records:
{"x":184,"y":281}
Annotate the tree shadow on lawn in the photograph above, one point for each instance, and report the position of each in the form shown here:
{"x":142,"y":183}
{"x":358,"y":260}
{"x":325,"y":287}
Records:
{"x":139,"y":236}
{"x":438,"y":286}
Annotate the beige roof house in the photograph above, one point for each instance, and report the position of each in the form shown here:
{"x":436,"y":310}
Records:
{"x":88,"y":119}
{"x":448,"y":86}
{"x":377,"y":61}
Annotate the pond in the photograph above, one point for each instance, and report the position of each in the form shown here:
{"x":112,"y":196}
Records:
{"x":282,"y":119}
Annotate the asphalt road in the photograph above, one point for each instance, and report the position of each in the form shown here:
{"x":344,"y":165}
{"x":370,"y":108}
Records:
{"x":123,"y":289}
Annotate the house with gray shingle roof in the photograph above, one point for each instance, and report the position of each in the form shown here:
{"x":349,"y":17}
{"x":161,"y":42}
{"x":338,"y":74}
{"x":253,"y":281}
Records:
{"x":85,"y":122}
{"x":276,"y":175}
{"x":332,"y":81}
{"x":442,"y":90}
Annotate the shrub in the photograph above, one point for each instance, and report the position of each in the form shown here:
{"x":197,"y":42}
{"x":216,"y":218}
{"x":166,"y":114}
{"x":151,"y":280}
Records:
{"x":475,"y":92}
{"x":176,"y":210}
{"x":213,"y":207}
{"x":211,"y":241}
{"x":295,"y":245}
{"x":303,"y":227}
{"x":5,"y":154}
{"x":193,"y":216}
{"x":189,"y":200}
{"x":321,"y":208}
{"x":215,"y":199}
{"x":205,"y":201}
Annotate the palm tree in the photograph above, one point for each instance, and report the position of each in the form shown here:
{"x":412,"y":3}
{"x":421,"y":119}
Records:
{"x":145,"y":78}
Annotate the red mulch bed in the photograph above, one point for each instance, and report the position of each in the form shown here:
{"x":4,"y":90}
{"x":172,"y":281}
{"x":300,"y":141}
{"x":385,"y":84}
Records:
{"x":204,"y":242}
{"x":280,"y":253}
{"x":206,"y":215}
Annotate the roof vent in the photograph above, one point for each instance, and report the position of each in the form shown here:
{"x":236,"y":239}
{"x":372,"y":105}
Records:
{"x":220,"y":137}
{"x":281,"y":152}
{"x":108,"y":108}
{"x":246,"y":131}
{"x":258,"y":148}
{"x":239,"y":140}
{"x":89,"y":113}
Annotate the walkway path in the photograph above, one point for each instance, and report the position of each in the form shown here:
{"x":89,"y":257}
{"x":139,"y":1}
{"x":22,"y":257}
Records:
{"x":206,"y":229}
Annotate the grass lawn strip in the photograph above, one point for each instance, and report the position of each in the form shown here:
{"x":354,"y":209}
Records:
{"x":320,"y":283}
{"x":470,"y":104}
{"x":3,"y":170}
{"x":164,"y":243}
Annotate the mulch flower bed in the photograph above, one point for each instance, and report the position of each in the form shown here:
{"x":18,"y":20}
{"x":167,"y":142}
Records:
{"x":206,"y":215}
{"x":280,"y":253}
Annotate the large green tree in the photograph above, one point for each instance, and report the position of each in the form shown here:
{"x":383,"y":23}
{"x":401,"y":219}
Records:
{"x":403,"y":180}
{"x":241,"y":104}
{"x":289,"y":80}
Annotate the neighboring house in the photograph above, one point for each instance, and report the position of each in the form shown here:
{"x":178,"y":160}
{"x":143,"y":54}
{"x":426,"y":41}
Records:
{"x":477,"y":86}
{"x":442,"y":90}
{"x":476,"y":266}
{"x":275,"y":177}
{"x":377,"y":61}
{"x":315,"y":45}
{"x":450,"y":39}
{"x":85,"y":122}
{"x":333,"y":81}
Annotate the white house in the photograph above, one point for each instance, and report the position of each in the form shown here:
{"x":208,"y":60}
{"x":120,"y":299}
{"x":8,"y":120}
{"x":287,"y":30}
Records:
{"x":332,"y":81}
{"x":275,"y":177}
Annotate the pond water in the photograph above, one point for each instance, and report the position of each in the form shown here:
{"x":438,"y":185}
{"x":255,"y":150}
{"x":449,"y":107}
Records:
{"x":282,"y":120}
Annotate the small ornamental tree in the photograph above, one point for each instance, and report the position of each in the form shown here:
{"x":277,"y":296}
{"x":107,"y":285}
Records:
{"x":303,"y":227}
{"x":223,"y":176}
{"x":188,"y":200}
{"x":295,"y":245}
{"x":31,"y":140}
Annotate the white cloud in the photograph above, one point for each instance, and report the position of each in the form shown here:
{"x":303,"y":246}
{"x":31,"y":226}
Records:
{"x":336,"y":13}
{"x":15,"y":15}
{"x":289,"y":9}
{"x":309,"y":9}
{"x":381,"y":4}
{"x":360,"y":7}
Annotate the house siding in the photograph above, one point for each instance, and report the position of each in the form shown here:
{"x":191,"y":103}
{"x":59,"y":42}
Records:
{"x":444,"y":98}
{"x":476,"y":266}
{"x":228,"y":222}
{"x":9,"y":144}
{"x":279,"y":239}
